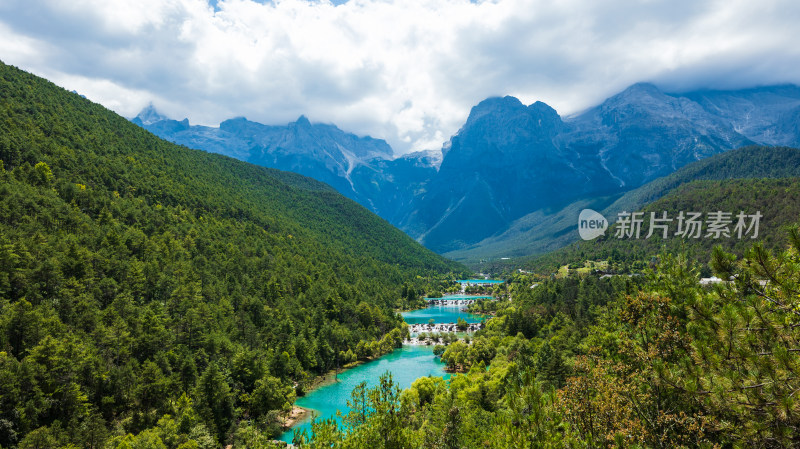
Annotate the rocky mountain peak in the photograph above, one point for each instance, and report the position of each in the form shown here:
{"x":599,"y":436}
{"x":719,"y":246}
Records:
{"x":149,"y":115}
{"x":495,"y":106}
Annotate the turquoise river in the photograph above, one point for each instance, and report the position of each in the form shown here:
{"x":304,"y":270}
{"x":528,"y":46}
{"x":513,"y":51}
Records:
{"x":406,"y":365}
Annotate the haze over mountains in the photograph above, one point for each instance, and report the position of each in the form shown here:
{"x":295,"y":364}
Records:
{"x":511,"y":166}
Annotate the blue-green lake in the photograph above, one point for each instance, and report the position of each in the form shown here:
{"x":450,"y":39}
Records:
{"x":457,"y":297}
{"x":406,"y":365}
{"x":449,"y":313}
{"x":479,"y":281}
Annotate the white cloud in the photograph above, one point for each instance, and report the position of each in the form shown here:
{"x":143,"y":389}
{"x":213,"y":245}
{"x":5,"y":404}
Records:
{"x":404,"y":70}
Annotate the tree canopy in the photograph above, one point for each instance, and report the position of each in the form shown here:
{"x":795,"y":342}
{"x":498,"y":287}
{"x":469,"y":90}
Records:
{"x":153,"y":295}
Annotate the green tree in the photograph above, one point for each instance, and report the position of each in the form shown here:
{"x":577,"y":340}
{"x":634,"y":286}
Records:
{"x":271,"y":394}
{"x":42,"y":175}
{"x":550,"y":367}
{"x":214,"y":402}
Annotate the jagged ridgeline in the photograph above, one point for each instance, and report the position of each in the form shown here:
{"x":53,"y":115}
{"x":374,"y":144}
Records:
{"x":134,"y":271}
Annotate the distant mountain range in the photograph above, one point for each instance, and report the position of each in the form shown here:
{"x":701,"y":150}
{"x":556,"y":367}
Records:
{"x":361,"y":168}
{"x":511,"y":168}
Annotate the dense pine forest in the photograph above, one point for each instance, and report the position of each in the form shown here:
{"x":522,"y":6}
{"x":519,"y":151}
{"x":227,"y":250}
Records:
{"x":157,"y":296}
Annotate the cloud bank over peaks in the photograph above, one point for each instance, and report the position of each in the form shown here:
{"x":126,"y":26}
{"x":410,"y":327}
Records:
{"x":407,"y":71}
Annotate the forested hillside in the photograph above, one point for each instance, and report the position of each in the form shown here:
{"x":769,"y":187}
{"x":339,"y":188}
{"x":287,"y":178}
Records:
{"x":544,"y":231}
{"x":777,"y":200}
{"x":148,"y":289}
{"x":743,"y":163}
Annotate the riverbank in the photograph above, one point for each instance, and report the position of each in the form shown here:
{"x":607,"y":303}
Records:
{"x":297,"y":415}
{"x":331,"y":376}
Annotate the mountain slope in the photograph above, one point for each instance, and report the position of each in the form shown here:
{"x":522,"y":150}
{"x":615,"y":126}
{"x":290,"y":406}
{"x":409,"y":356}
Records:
{"x":530,"y":160}
{"x":748,"y":162}
{"x":144,"y":285}
{"x":642,"y":133}
{"x":361,"y":168}
{"x":541,"y":232}
{"x":505,"y":162}
{"x":768,"y":115}
{"x":776,"y":199}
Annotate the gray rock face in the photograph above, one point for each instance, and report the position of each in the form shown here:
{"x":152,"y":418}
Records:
{"x":767,"y":115}
{"x":642,"y":133}
{"x":507,"y":160}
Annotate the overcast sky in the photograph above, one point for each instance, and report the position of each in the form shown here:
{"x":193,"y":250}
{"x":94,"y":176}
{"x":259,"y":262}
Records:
{"x":407,"y":71}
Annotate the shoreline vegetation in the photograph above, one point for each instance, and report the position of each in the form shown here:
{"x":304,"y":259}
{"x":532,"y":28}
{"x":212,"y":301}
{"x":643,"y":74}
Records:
{"x":578,"y":361}
{"x":437,"y":335}
{"x":299,"y":414}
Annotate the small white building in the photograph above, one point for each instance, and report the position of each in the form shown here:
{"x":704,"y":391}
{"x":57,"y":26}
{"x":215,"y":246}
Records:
{"x":710,"y":281}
